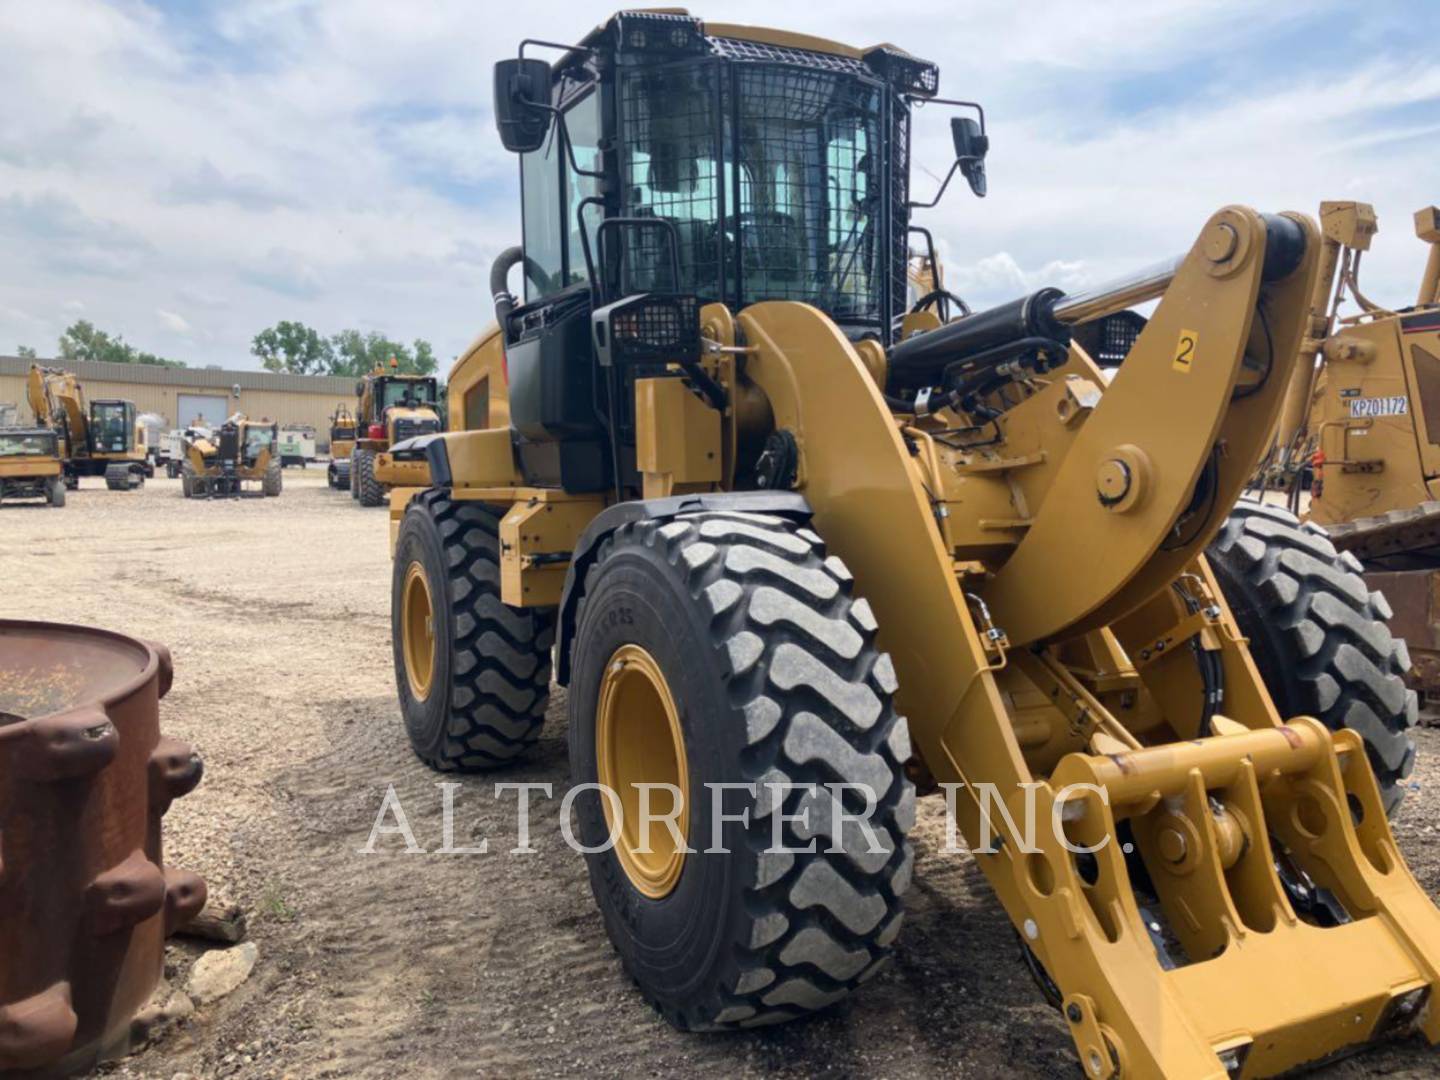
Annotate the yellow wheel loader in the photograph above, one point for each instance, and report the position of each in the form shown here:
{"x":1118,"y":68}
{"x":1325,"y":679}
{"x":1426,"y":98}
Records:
{"x":393,"y":410}
{"x":801,"y":555}
{"x":342,"y":446}
{"x":30,"y":465}
{"x":1360,"y":432}
{"x":219,"y":463}
{"x":96,"y":438}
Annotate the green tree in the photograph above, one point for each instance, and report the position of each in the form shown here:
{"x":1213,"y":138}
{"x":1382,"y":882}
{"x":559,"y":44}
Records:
{"x":25,"y":352}
{"x":83,"y":340}
{"x":424,"y":357}
{"x":295,"y":348}
{"x":356,"y":353}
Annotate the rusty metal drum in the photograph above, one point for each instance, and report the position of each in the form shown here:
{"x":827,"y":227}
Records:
{"x":85,"y":900}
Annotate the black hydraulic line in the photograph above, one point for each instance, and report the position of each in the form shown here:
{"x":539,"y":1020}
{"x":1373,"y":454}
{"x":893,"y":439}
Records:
{"x":922,"y":358}
{"x":500,"y":282}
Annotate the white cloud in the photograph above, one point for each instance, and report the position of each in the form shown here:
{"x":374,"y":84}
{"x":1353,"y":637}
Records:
{"x":173,"y":322}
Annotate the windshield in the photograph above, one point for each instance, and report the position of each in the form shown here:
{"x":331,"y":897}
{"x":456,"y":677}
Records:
{"x":257,"y":439}
{"x":39,"y":444}
{"x":110,"y":429}
{"x":776,"y":195}
{"x":409,"y":394}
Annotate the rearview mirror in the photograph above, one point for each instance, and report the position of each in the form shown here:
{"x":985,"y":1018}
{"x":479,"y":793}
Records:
{"x":522,"y":104}
{"x":971,"y":146}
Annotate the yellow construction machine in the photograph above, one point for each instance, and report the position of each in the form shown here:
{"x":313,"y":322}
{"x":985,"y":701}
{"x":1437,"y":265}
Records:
{"x":393,"y":409}
{"x":1360,"y":431}
{"x":96,"y":438}
{"x":342,"y":445}
{"x":30,"y":465}
{"x":219,"y":463}
{"x":801,"y":554}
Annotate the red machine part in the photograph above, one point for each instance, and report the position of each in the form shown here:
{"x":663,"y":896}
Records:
{"x":85,"y":899}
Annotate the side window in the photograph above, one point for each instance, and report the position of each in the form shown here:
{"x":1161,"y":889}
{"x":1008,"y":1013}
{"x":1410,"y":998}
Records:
{"x":670,"y":170}
{"x":582,"y":120}
{"x":540,"y":187}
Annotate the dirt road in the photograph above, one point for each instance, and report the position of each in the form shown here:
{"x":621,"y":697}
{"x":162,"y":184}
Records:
{"x":435,"y":965}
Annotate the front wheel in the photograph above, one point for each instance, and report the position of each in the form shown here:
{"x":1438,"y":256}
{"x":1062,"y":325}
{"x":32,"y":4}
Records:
{"x":274,"y":480}
{"x":369,"y":490}
{"x":56,"y":493}
{"x":473,"y":674}
{"x":723,"y":656}
{"x":1319,"y":635}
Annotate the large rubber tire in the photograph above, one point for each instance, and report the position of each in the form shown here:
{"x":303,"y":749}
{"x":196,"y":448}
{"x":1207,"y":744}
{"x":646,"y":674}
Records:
{"x":355,"y":457}
{"x":371,"y":491}
{"x":776,"y":678}
{"x":191,"y":485}
{"x":56,"y":492}
{"x":274,"y":480}
{"x":490,"y":682}
{"x":1318,"y":634}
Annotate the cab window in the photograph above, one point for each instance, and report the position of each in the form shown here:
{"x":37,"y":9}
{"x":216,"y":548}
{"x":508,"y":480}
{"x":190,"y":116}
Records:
{"x":552,"y":191}
{"x":540,"y":195}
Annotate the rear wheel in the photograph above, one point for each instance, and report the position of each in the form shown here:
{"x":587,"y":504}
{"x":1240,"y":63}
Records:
{"x":56,"y":492}
{"x":726,"y":649}
{"x":191,"y":484}
{"x":371,"y":491}
{"x":355,"y":457}
{"x":1318,"y":634}
{"x":473,"y":674}
{"x":274,"y":480}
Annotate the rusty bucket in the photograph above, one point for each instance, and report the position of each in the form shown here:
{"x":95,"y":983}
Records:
{"x":85,"y":901}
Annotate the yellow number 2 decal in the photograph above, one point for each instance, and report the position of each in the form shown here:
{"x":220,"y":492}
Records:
{"x":1185,"y":351}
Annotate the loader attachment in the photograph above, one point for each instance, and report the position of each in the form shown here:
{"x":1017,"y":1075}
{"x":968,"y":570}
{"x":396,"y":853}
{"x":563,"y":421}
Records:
{"x":1287,"y":927}
{"x":1210,"y":888}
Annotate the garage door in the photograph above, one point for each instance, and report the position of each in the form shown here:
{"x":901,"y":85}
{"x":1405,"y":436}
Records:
{"x":211,"y":411}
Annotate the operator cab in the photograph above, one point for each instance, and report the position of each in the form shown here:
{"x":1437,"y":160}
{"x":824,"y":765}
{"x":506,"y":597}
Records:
{"x":667,"y":164}
{"x":409,"y":393}
{"x":258,"y":439}
{"x":112,"y":427}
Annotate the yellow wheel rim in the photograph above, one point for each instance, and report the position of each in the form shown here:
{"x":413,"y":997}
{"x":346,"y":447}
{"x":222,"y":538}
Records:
{"x":638,"y":740}
{"x":417,"y":627}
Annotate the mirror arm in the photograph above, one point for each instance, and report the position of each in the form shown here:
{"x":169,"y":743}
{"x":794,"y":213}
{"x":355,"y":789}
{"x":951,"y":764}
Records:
{"x":556,"y":45}
{"x":565,"y":137}
{"x":979,"y":109}
{"x":913,"y":205}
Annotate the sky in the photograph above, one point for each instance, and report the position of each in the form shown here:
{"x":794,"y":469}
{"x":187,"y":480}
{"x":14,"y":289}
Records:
{"x":188,"y":173}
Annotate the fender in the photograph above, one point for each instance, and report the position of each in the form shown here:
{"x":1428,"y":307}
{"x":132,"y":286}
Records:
{"x":781,"y":504}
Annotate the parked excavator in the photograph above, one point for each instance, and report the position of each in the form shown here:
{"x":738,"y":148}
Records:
{"x":1360,"y":432}
{"x":342,"y":445}
{"x":393,"y":408}
{"x":778,"y":531}
{"x":219,"y":463}
{"x":96,"y":438}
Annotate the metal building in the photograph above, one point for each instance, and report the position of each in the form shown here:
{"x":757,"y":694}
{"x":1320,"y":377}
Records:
{"x":181,"y":395}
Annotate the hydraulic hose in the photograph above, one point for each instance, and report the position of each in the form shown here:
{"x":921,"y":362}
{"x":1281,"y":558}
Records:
{"x":500,"y":281}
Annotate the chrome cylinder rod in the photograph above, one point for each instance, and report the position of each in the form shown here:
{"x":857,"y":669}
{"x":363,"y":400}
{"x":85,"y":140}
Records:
{"x":1147,"y":284}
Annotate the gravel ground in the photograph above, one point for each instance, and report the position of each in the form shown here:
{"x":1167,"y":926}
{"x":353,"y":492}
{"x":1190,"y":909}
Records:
{"x":277,"y":611}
